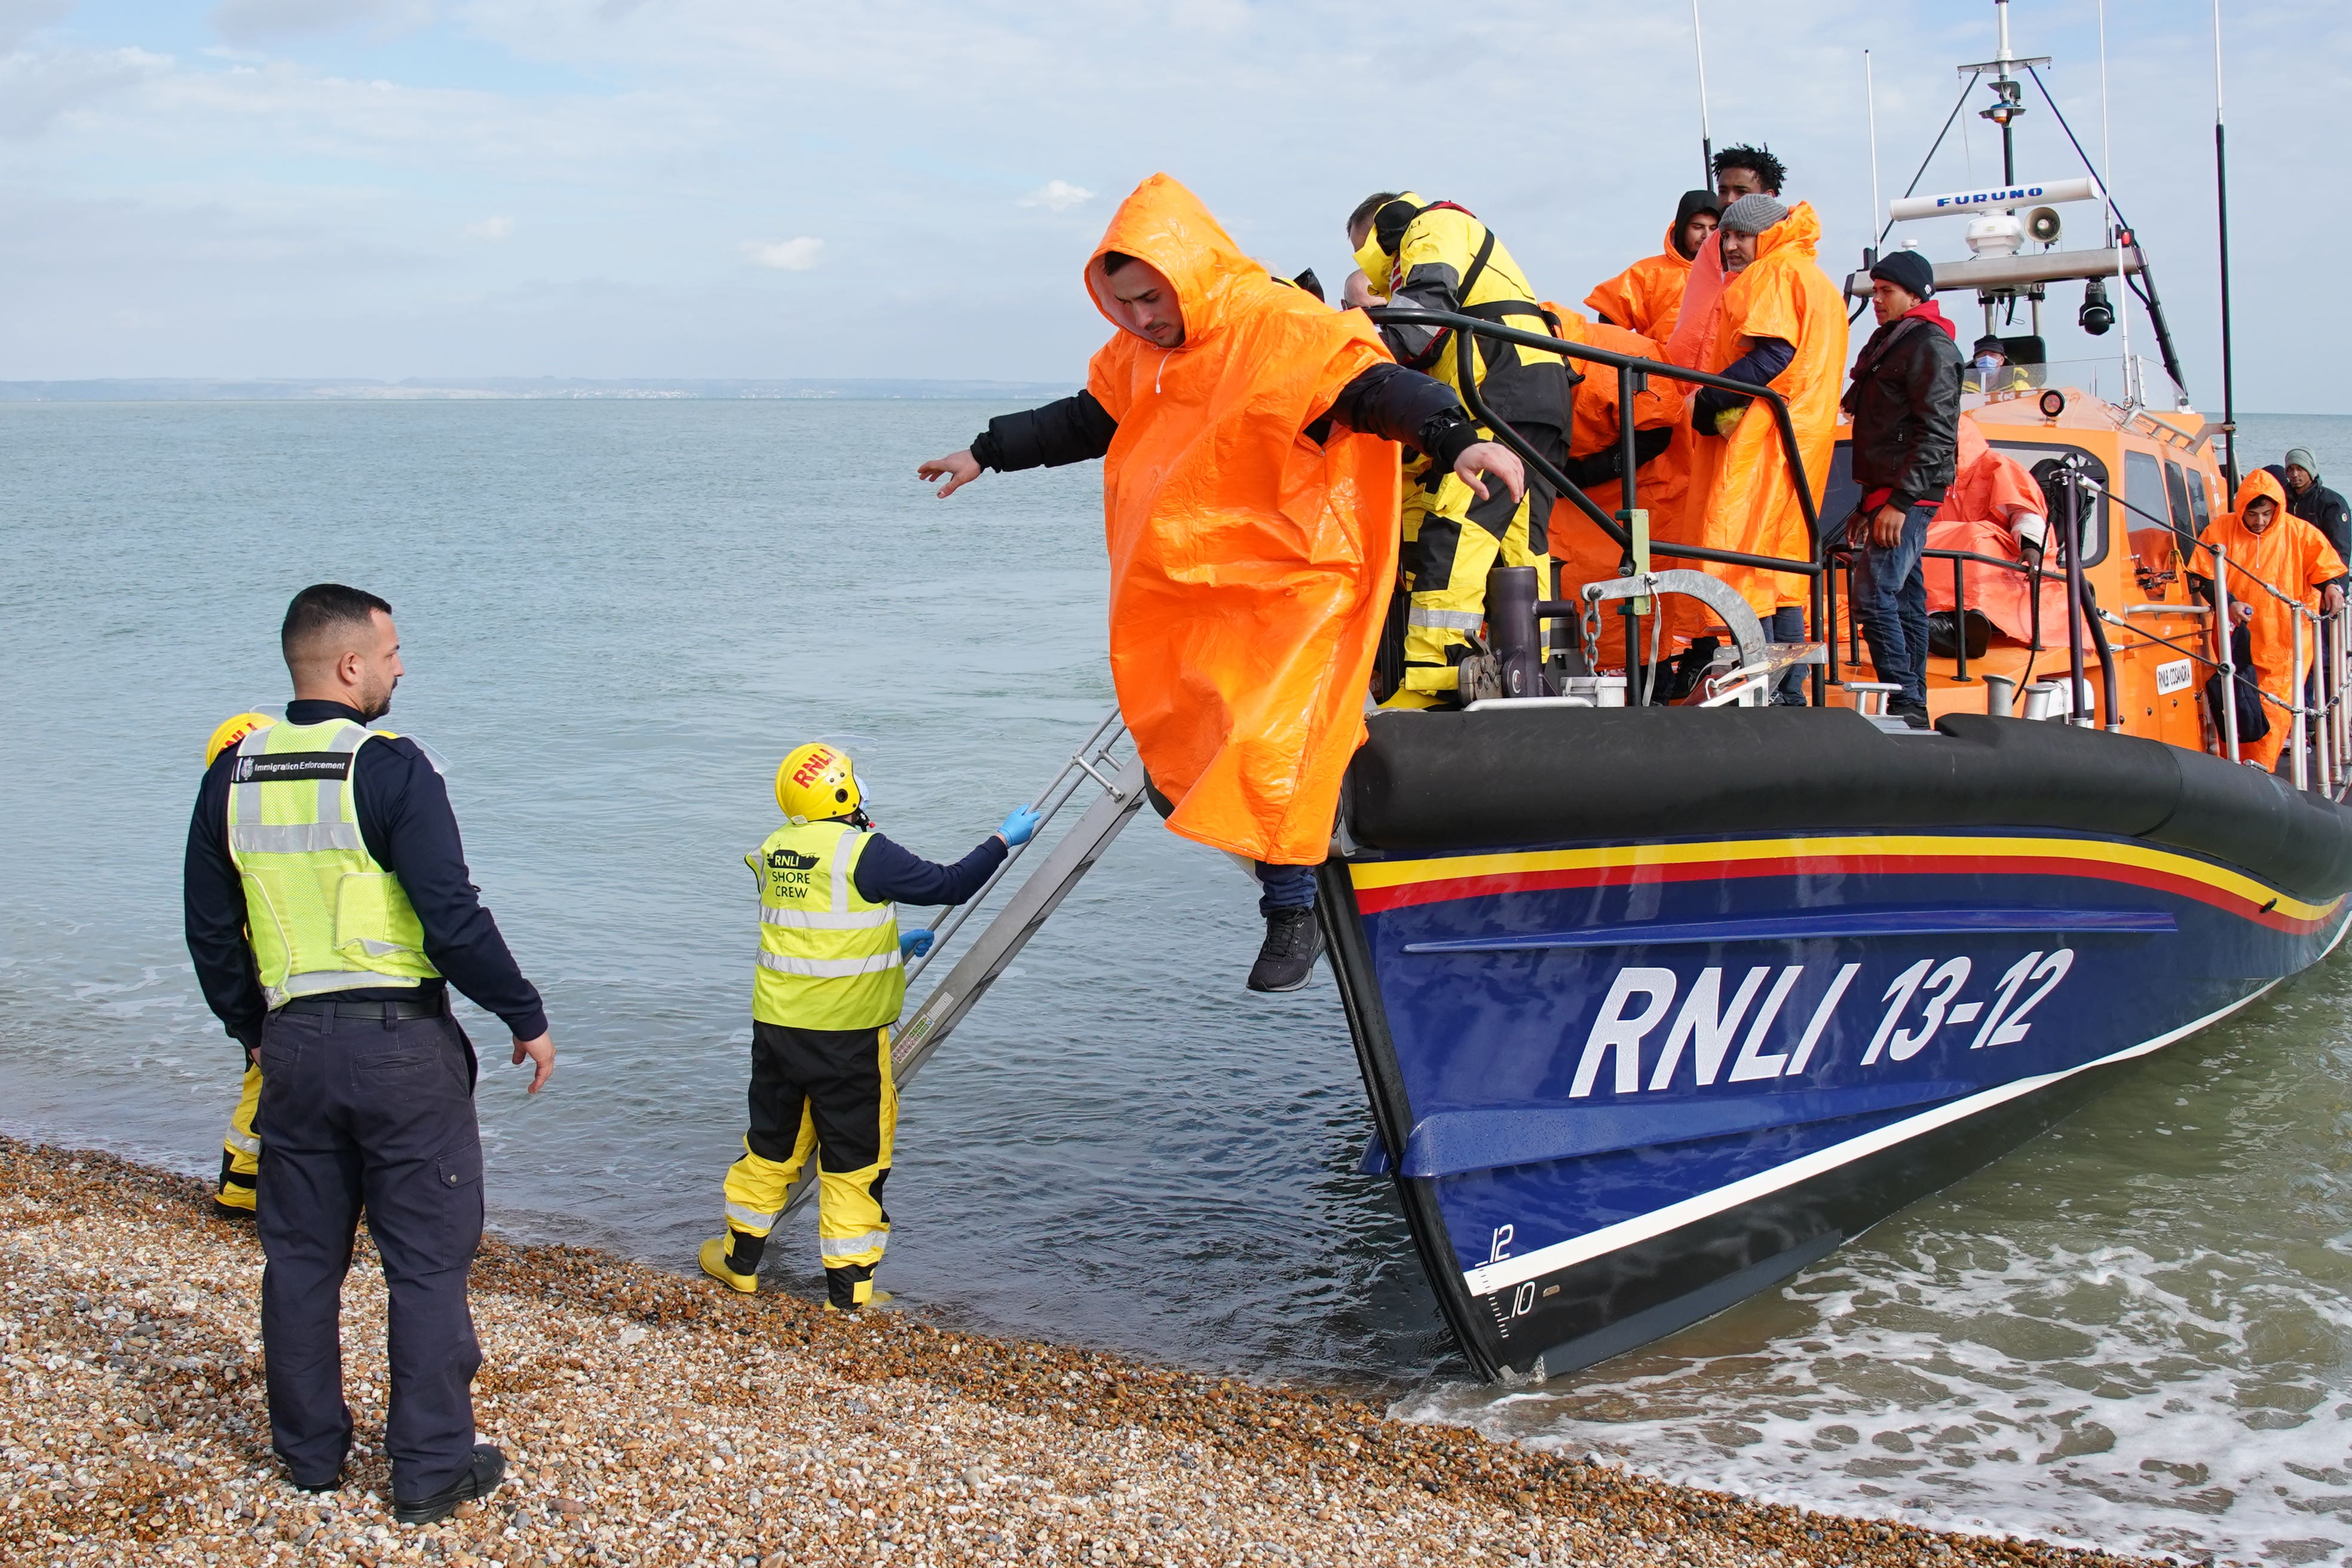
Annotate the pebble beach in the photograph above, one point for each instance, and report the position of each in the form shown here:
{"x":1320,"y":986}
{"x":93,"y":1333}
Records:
{"x":653,"y":1418}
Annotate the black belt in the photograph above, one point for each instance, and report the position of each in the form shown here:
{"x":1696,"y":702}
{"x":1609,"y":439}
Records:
{"x":328,"y":1006}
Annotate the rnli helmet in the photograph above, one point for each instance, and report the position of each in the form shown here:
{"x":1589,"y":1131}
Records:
{"x":817,"y":783}
{"x":232,"y":730}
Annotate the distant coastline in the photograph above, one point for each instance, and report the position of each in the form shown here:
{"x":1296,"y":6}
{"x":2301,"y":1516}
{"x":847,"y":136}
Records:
{"x":199,"y":389}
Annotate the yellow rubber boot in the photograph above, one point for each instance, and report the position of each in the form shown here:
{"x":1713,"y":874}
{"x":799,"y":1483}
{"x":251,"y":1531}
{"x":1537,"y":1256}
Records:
{"x":714,"y":1263}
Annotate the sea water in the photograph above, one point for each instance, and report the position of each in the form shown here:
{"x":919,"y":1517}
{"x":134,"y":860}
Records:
{"x":618,"y":615}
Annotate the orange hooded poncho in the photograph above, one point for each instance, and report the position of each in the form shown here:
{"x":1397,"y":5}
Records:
{"x":1979,"y":514}
{"x":2293,"y":557}
{"x":1647,"y":296}
{"x":1585,"y":553}
{"x":1743,"y":498}
{"x":1250,"y":568}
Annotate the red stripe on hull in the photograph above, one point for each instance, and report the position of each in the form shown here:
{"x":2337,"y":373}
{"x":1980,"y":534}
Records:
{"x":1374,"y":900}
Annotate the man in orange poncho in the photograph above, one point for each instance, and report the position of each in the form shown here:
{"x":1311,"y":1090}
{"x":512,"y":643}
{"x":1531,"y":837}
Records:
{"x":2264,"y":541}
{"x":1647,"y":296}
{"x":1781,"y":323}
{"x":1250,"y":503}
{"x":1994,"y":508}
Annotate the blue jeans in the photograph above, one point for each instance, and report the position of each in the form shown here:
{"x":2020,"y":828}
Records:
{"x":1890,"y":600}
{"x":1788,"y":625}
{"x":1285,"y":887}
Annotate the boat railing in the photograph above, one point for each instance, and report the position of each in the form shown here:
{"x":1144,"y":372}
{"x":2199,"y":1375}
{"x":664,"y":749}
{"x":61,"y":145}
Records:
{"x":2320,"y":713}
{"x":1628,"y":529}
{"x":2320,"y":716}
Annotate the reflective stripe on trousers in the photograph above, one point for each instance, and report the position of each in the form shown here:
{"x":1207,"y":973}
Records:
{"x":753,"y":1220}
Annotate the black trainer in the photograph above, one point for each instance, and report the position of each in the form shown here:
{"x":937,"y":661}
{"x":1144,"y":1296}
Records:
{"x":1912,"y":713}
{"x":1293,"y":942}
{"x":480,"y":1479}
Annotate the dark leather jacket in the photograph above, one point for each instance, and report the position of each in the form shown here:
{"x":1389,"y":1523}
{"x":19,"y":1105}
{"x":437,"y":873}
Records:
{"x":1906,"y":406}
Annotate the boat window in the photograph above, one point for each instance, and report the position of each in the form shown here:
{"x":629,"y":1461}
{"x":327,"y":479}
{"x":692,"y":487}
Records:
{"x":2094,"y":526}
{"x":2176,"y":489}
{"x":2152,"y":542}
{"x":2200,"y":512}
{"x":1841,"y":496}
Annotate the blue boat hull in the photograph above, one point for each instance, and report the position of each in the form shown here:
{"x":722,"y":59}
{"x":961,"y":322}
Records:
{"x":1622,"y":1085}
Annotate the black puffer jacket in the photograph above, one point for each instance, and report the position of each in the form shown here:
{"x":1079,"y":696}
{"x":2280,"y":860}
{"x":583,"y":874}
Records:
{"x":1906,"y":406}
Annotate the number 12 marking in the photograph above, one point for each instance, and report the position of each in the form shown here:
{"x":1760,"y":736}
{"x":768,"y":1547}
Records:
{"x":2049,"y":968}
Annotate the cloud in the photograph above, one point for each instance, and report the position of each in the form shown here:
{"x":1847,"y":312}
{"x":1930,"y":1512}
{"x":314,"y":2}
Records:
{"x":1057,"y":196}
{"x":493,"y":229}
{"x":20,"y":19}
{"x":247,"y":21}
{"x":35,"y":89}
{"x":799,"y":254}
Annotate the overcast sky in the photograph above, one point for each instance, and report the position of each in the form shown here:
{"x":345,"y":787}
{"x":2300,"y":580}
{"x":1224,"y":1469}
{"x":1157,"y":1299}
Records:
{"x":619,"y":188}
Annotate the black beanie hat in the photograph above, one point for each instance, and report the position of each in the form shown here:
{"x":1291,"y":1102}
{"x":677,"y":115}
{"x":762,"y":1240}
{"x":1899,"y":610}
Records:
{"x":1694,"y":203}
{"x":1989,"y":344}
{"x":1908,"y":271}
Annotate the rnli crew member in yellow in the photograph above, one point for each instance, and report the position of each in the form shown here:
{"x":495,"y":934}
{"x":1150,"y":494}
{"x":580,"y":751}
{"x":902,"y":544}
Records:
{"x":240,"y":1149}
{"x":329,"y":910}
{"x":1436,"y":255}
{"x":828,"y":987}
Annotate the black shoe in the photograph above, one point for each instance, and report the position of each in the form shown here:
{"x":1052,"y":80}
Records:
{"x":1912,"y":713}
{"x":231,"y":1212}
{"x":480,"y":1479}
{"x":316,"y":1487}
{"x":1293,"y":942}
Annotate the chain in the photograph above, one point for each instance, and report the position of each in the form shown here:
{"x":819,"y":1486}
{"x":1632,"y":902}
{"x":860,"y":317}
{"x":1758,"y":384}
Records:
{"x":1589,"y":628}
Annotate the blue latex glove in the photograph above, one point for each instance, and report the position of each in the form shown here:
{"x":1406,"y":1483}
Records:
{"x":914,"y":943}
{"x":1021,"y":826}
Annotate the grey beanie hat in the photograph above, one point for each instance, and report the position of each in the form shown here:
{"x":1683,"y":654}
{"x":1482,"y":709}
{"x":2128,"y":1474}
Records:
{"x":1753,"y":213}
{"x":2301,"y":457}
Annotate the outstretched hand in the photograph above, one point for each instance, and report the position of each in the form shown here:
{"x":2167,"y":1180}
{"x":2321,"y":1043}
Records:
{"x":1484,"y":457}
{"x":959,"y":468}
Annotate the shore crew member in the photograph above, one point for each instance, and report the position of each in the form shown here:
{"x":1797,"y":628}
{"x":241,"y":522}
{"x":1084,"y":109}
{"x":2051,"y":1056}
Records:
{"x":1647,"y":296}
{"x":1250,"y":505}
{"x":828,"y":987}
{"x":1904,"y":402}
{"x":2265,"y":540}
{"x":240,"y":1149}
{"x":1435,"y":256}
{"x":1779,"y":322}
{"x":329,"y":910}
{"x":2316,"y":503}
{"x":1989,"y":369}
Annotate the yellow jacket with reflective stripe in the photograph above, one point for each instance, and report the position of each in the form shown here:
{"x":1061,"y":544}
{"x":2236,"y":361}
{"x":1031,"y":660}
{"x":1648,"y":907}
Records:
{"x":321,"y":913}
{"x":1435,"y":257}
{"x":828,"y":958}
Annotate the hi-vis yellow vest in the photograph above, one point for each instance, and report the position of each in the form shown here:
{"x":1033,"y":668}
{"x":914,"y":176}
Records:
{"x":321,"y":914}
{"x":828,"y":959}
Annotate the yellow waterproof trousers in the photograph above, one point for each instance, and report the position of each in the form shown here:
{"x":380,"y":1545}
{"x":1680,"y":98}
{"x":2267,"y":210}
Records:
{"x":1451,"y":539}
{"x":827,"y":1092}
{"x":240,"y":1149}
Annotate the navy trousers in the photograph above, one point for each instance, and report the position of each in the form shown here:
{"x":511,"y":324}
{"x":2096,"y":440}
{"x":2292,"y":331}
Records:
{"x":376,"y":1115}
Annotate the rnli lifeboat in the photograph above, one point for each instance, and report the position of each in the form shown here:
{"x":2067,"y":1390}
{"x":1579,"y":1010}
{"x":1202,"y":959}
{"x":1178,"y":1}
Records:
{"x":1659,"y":1000}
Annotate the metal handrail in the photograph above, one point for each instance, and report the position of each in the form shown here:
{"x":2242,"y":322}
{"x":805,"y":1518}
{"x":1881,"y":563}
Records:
{"x":1631,"y":372}
{"x":1080,"y":768}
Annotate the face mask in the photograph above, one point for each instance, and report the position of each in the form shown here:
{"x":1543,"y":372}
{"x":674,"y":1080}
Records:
{"x":1987,"y":365}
